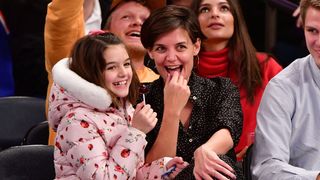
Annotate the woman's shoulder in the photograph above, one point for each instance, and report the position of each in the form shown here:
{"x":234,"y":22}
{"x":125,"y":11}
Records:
{"x":268,"y":64}
{"x":213,"y":85}
{"x":214,"y":82}
{"x":266,"y":58}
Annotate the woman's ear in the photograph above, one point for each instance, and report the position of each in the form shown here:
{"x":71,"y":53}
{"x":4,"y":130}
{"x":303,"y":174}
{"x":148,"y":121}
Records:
{"x":197,"y":46}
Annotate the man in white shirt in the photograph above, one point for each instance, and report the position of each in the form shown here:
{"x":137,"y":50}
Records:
{"x":287,"y":144}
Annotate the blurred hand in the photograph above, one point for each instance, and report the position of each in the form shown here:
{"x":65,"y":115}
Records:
{"x":207,"y":164}
{"x":296,"y":14}
{"x":176,"y":92}
{"x":144,"y":118}
{"x":180,"y":165}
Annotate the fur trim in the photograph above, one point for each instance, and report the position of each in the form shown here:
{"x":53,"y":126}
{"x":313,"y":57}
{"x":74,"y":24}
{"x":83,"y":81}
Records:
{"x":89,"y":93}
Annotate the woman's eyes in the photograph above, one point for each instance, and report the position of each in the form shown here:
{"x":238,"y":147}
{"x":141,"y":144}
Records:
{"x":181,"y":47}
{"x":223,"y":8}
{"x":162,"y":49}
{"x":204,"y":10}
{"x":159,"y":49}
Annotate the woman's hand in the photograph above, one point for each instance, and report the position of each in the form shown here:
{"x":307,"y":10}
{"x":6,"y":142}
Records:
{"x":176,"y":92}
{"x":144,"y":118}
{"x":177,"y":164}
{"x":207,"y":164}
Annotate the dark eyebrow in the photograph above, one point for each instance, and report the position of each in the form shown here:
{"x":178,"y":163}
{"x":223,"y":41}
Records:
{"x":112,"y":62}
{"x":182,"y":43}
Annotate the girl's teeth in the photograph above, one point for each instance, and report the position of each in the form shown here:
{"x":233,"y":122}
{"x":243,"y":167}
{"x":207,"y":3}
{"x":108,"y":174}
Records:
{"x":120,"y":83}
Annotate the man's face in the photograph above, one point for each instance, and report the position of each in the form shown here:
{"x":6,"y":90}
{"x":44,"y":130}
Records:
{"x":312,"y":33}
{"x":126,"y":22}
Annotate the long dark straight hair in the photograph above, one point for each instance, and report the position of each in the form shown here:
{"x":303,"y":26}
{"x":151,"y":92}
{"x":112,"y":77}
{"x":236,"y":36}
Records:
{"x":242,"y":53}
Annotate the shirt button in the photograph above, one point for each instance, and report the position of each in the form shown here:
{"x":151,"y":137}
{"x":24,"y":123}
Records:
{"x":190,"y":140}
{"x":194,"y":97}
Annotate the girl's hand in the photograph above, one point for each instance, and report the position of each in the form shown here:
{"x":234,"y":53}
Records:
{"x":144,"y":118}
{"x":176,"y":92}
{"x":175,"y":166}
{"x":207,"y":164}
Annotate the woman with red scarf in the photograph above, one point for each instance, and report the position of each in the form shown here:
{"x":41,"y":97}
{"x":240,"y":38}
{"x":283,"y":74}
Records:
{"x":227,"y":51}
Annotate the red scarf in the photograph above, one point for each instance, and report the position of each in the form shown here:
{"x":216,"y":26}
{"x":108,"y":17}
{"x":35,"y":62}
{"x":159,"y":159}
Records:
{"x":212,"y":64}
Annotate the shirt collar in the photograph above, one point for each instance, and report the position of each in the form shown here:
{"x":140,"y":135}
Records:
{"x":315,"y":71}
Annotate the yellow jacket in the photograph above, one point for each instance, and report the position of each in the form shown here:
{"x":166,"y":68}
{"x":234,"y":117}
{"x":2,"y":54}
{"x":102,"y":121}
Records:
{"x":64,"y":25}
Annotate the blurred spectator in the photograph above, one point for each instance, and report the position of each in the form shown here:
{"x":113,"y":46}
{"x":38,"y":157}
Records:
{"x":289,"y":42}
{"x":186,"y":3}
{"x":25,"y":19}
{"x":6,"y":80}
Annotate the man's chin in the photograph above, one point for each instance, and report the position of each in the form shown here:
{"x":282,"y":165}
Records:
{"x":136,"y":49}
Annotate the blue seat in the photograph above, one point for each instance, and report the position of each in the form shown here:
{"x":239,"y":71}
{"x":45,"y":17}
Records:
{"x":37,"y":134}
{"x":28,"y":162}
{"x":17,"y":115}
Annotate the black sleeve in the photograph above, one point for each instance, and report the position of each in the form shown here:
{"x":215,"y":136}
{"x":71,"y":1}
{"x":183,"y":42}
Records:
{"x":229,"y":114}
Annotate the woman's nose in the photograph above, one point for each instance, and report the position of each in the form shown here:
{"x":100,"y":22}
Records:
{"x":215,"y":12}
{"x":171,"y":56}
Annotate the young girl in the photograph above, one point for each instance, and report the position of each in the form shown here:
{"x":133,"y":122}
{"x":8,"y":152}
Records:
{"x":99,"y":134}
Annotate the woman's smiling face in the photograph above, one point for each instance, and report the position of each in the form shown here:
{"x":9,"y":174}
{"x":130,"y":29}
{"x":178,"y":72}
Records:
{"x":174,"y":52}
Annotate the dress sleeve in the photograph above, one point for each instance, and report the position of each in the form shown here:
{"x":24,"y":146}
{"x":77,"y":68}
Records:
{"x":229,"y":109}
{"x":153,"y":170}
{"x":100,"y":149}
{"x":271,"y":150}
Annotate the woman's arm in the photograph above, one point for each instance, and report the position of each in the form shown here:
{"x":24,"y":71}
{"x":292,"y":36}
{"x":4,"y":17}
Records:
{"x":220,"y":142}
{"x":176,"y":95}
{"x":229,"y":121}
{"x":207,"y":162}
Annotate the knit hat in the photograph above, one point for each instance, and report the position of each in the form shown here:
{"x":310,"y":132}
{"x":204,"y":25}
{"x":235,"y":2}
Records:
{"x":151,"y":4}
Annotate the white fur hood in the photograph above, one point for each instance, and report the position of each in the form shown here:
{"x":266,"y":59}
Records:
{"x":88,"y":93}
{"x":70,"y":91}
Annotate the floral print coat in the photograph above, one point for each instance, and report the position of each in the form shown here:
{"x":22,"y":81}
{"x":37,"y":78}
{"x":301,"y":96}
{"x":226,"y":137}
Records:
{"x":94,"y":142}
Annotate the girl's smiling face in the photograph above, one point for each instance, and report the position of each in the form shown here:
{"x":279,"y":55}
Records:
{"x":118,"y":71}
